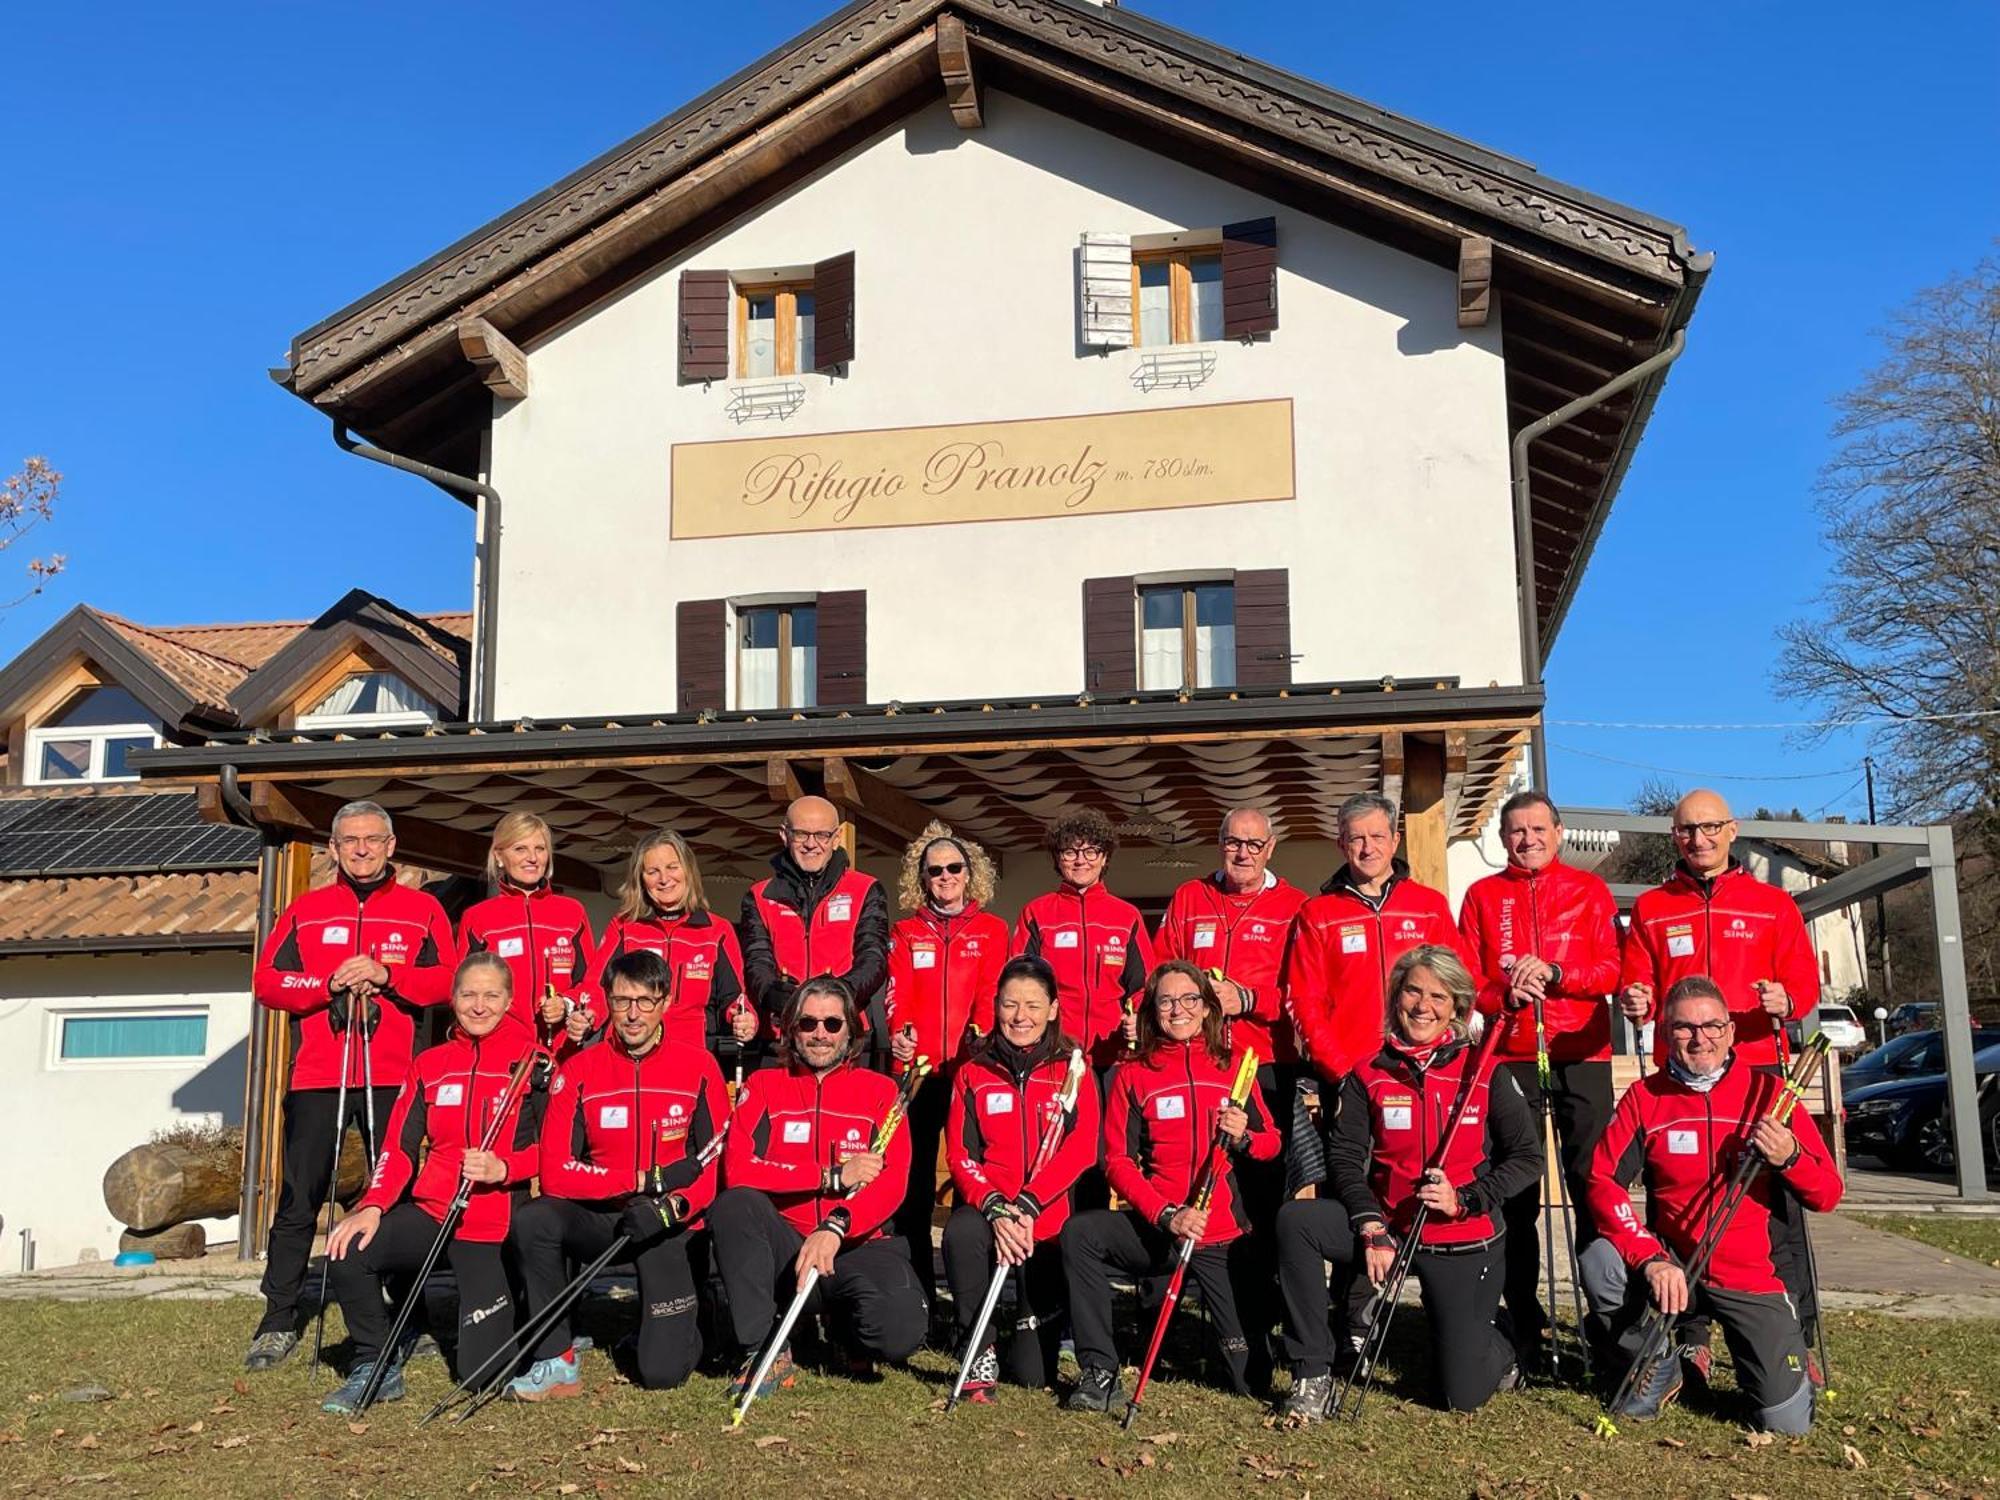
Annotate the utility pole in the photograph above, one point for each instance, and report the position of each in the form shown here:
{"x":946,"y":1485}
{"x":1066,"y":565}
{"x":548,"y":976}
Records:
{"x":1881,"y":907}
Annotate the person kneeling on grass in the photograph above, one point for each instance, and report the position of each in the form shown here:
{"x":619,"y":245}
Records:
{"x":806,"y":1191}
{"x":445,"y":1106}
{"x":628,"y":1120}
{"x":1163,"y":1114}
{"x":1004,"y":1098}
{"x":1687,"y":1126}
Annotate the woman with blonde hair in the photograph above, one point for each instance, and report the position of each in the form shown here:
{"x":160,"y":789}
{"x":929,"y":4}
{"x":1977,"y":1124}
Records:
{"x":542,"y":935}
{"x":664,"y":909}
{"x":945,"y":959}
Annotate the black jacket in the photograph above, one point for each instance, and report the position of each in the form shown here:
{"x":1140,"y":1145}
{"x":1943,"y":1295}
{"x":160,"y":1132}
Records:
{"x":793,"y":887}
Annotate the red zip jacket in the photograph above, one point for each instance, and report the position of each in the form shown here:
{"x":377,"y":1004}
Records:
{"x":545,"y":938}
{"x":1392,"y":1116}
{"x":996,"y":1128}
{"x":612,"y":1116}
{"x":1244,"y":937}
{"x":1343,"y":945}
{"x":1688,"y":1144}
{"x":797,"y":927}
{"x":449,"y":1099}
{"x":1098,"y":946}
{"x":1736,"y":930}
{"x":943,"y":972}
{"x":1562,"y":916}
{"x":700,"y":948}
{"x":1159,"y":1124}
{"x":403,"y":929}
{"x":791,"y":1125}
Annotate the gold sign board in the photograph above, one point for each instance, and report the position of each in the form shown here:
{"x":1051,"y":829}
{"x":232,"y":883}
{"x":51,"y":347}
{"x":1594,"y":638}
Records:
{"x":1160,"y":459}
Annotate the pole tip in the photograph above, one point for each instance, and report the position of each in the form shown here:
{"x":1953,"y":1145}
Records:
{"x":1131,"y":1416}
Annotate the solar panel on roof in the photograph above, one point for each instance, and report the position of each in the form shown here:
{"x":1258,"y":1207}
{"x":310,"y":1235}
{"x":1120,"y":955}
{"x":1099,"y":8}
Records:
{"x":68,"y":835}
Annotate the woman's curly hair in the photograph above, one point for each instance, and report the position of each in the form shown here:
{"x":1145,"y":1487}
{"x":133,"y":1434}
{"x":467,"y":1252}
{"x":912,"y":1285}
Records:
{"x":978,"y":867}
{"x":1085,"y":826}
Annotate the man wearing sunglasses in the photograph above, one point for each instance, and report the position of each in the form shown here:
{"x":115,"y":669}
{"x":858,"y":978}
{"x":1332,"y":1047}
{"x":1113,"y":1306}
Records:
{"x":805,"y":1190}
{"x":1686,"y":1126}
{"x":813,"y":916}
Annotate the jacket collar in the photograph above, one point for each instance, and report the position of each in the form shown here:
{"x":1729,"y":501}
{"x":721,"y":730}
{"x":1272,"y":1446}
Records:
{"x":1214,"y":880}
{"x":1552,"y":870}
{"x":807,"y":889}
{"x":363,"y":892}
{"x":1705,"y":885}
{"x":1342,"y":883}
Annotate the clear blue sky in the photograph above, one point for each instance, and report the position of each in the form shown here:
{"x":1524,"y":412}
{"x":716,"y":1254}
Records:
{"x":191,"y":185}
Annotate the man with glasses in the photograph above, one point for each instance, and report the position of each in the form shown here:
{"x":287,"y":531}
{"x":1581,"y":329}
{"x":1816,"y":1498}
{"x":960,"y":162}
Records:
{"x":1686,"y":1126}
{"x":813,"y":916}
{"x":805,"y":1190}
{"x":628,"y":1119}
{"x":352,"y":963}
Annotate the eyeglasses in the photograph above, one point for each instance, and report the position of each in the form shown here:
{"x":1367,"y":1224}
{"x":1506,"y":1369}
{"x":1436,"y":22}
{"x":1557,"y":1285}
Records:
{"x":1081,"y":853}
{"x":1685,"y":831}
{"x":364,"y":841}
{"x":956,"y":867}
{"x":1685,"y":1030}
{"x":1178,"y":1002}
{"x":831,"y":1025}
{"x":811,"y":835}
{"x":638,"y":1002}
{"x":1248,"y":846}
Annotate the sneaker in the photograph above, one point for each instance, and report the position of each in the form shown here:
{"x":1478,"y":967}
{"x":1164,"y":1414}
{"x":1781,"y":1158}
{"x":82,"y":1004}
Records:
{"x":548,"y":1380}
{"x":269,"y":1350}
{"x":346,"y":1398}
{"x":1309,"y":1399}
{"x":1511,"y":1381}
{"x":1652,"y":1394}
{"x":1096,"y":1390}
{"x":780,"y":1377}
{"x":984,"y":1376}
{"x":1696,"y":1362}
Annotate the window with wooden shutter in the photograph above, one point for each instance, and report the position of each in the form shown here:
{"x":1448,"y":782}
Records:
{"x":701,"y":643}
{"x":843,"y":647}
{"x":1104,"y":290}
{"x":704,"y":325}
{"x":833,"y":301}
{"x":1110,"y":642}
{"x":1249,"y":278}
{"x":1264,"y":627}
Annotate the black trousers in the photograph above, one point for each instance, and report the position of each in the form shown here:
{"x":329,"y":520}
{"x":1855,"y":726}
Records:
{"x":1096,"y":1244}
{"x":1791,"y":1257}
{"x":309,"y":1133}
{"x":872,"y":1301}
{"x":925,"y":1122}
{"x":372,"y":1282}
{"x":552,"y":1234}
{"x":1030,"y":1357}
{"x":1580,"y":1101}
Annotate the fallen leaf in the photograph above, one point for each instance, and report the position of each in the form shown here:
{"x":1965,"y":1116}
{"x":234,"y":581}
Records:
{"x":1673,"y":1442}
{"x":1850,"y":1457}
{"x":85,"y":1478}
{"x":153,"y":1390}
{"x":11,"y":1437}
{"x":241,"y":1387}
{"x":631,"y":1466}
{"x":772,"y":1440}
{"x":1161,"y":1439}
{"x":196,"y":1426}
{"x":1759,"y":1439}
{"x":238,"y":1441}
{"x":505,"y":1468}
{"x":357,"y":1428}
{"x":221,"y":1409}
{"x":1147,"y":1460}
{"x":88,"y":1440}
{"x":568,"y":1489}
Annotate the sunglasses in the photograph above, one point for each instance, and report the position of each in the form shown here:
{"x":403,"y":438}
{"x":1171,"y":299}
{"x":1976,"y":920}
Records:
{"x":831,"y":1025}
{"x":956,"y":867}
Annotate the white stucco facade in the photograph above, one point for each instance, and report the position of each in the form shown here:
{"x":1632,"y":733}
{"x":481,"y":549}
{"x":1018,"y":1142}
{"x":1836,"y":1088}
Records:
{"x":1398,"y":541}
{"x":66,"y":1120}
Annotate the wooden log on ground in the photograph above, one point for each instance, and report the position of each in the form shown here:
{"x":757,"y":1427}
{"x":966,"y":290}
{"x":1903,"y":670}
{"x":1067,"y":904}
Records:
{"x":153,"y":1186}
{"x":187,"y":1241}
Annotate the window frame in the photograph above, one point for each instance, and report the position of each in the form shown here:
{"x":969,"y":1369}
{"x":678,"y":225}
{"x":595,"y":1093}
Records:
{"x":1190,"y":655}
{"x":784,"y":609}
{"x":1180,"y":292}
{"x":59,"y":1020}
{"x":785,"y":330}
{"x":395,"y":719}
{"x":99,"y":736}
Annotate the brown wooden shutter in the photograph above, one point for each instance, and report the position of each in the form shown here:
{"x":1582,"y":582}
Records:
{"x":704,"y":336}
{"x":1249,"y":278}
{"x":701,"y":654}
{"x":1263,"y":627}
{"x":1110,"y":635}
{"x":843,"y":648}
{"x":833,"y":311}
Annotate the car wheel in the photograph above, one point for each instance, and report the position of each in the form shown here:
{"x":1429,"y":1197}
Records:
{"x":1932,"y":1142}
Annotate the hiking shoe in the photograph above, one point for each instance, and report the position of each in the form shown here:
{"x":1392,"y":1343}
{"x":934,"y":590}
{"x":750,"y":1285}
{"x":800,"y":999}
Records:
{"x":1696,"y":1362}
{"x":269,"y":1350}
{"x":1309,"y":1398}
{"x":548,"y":1380}
{"x":985,"y":1375}
{"x":417,"y":1346}
{"x":1652,"y":1394}
{"x":346,"y":1398}
{"x":860,"y":1367}
{"x":1511,"y":1381}
{"x":1096,"y":1390}
{"x":780,"y":1377}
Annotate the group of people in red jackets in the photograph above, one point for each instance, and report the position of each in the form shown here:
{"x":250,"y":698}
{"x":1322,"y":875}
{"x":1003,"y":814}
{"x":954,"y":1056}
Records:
{"x":715,"y":1094}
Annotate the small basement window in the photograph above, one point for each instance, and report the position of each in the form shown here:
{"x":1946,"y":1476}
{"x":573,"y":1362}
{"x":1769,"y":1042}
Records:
{"x":131,"y":1036}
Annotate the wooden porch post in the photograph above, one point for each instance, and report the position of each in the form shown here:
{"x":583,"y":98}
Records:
{"x":1424,"y":826}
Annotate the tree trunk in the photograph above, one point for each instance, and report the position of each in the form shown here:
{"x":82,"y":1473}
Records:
{"x":181,"y":1242}
{"x":153,"y":1186}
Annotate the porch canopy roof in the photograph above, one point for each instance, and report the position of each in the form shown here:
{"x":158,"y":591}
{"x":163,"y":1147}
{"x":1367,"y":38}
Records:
{"x":1170,"y":764}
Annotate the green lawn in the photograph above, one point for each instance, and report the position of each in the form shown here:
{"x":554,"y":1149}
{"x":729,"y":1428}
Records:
{"x":1917,"y":1412}
{"x":1974,"y":1238}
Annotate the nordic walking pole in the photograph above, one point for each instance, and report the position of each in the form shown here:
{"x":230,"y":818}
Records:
{"x":509,"y":1096}
{"x":1204,"y":1191}
{"x":1361,"y":1379}
{"x":1052,"y":1138}
{"x":1557,"y":1205}
{"x":1805,"y":1236}
{"x":919,"y":1070}
{"x":1657,"y":1329}
{"x":332,"y":1191}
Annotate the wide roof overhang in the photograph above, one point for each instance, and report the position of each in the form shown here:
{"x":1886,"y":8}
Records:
{"x":997,"y":770}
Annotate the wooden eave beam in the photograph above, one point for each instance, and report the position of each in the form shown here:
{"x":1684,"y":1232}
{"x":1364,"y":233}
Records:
{"x":962,"y":89}
{"x":1394,"y":764}
{"x":1475,"y":281}
{"x":499,"y":361}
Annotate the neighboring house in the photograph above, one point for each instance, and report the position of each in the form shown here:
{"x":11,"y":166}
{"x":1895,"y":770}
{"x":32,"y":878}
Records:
{"x":127,"y":918}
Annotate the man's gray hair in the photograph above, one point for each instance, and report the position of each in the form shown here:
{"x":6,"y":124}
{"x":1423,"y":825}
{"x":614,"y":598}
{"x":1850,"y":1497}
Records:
{"x":1258,"y":813}
{"x":1361,"y":804}
{"x":362,"y":810}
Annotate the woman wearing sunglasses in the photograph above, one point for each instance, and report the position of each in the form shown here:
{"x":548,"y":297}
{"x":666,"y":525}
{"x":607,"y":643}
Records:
{"x":944,"y":966}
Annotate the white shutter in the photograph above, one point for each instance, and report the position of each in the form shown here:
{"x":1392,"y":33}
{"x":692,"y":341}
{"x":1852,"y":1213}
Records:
{"x":1104,"y":286}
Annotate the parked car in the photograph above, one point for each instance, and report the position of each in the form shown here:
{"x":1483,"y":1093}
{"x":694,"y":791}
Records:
{"x":1914,"y":1054}
{"x":1842,"y":1028}
{"x":1915,"y":1015}
{"x":1904,"y":1120}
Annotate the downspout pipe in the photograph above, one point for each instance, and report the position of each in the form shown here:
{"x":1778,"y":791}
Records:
{"x":1524,"y":524}
{"x":485,"y":606}
{"x":253,"y":1215}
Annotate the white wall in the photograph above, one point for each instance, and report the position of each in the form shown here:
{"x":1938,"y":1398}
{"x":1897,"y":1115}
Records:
{"x":1399,"y":543}
{"x":65,"y":1122}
